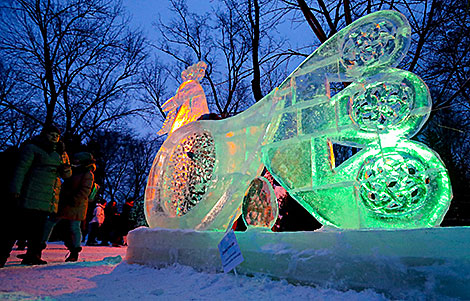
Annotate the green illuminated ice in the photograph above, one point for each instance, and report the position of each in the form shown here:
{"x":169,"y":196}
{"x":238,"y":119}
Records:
{"x":348,"y":93}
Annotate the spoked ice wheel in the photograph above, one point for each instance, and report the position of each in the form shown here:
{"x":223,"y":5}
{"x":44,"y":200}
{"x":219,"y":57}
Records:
{"x":381,"y":106}
{"x":190,"y":169}
{"x":394,"y":184}
{"x":403,"y":187}
{"x":179,"y":177}
{"x":371,"y":43}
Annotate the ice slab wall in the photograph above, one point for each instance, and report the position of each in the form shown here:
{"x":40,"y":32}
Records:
{"x":424,"y":264}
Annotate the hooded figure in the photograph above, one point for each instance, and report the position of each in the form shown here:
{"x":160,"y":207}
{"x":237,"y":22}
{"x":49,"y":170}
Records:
{"x":43,"y":161}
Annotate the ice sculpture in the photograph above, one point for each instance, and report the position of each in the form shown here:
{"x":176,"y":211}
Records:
{"x":189,"y":103}
{"x":347,"y":92}
{"x":260,"y":208}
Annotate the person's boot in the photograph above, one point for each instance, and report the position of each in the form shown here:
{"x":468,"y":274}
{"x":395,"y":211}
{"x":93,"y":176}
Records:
{"x":31,"y":258}
{"x":21,"y":245}
{"x":73,"y":256}
{"x":25,"y":255}
{"x":91,"y":243}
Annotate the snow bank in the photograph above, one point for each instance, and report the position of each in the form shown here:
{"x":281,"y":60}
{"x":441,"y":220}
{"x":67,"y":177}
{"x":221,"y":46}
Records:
{"x":398,"y":263}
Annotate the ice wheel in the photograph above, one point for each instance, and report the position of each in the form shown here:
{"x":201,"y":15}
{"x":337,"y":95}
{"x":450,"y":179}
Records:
{"x":381,"y":106}
{"x":394,"y":184}
{"x":189,"y":170}
{"x":406,"y":186}
{"x":371,"y":43}
{"x":179,"y":177}
{"x":260,"y":208}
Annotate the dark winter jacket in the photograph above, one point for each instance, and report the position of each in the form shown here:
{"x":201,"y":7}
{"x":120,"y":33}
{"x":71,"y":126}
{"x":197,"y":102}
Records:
{"x":111,"y":217}
{"x":73,"y":203}
{"x":8,"y":160}
{"x":37,"y":174}
{"x":125,"y":218}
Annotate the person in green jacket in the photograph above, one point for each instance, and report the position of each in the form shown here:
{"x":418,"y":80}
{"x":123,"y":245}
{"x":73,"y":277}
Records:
{"x":73,"y":203}
{"x":36,"y":185}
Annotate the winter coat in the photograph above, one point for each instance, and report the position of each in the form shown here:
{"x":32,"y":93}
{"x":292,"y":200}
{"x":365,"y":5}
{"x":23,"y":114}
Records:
{"x":73,"y":203}
{"x":98,"y":214}
{"x":8,"y":160}
{"x":125,"y":218}
{"x":37,"y":175}
{"x":111,"y":217}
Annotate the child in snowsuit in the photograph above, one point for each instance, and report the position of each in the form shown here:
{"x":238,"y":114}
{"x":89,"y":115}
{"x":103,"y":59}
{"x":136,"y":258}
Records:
{"x":96,"y":222}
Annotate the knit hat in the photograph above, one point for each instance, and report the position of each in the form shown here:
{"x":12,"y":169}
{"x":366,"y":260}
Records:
{"x":83,"y":158}
{"x":50,"y":129}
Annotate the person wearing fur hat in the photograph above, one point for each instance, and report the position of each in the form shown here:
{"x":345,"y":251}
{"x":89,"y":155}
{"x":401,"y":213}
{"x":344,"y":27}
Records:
{"x":36,"y":185}
{"x":73,"y":202}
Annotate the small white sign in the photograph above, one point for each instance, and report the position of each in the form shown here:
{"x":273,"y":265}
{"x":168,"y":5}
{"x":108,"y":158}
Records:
{"x":230,"y":252}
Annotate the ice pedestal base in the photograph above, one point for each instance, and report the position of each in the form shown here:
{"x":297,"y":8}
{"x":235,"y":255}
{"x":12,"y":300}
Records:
{"x":401,"y":264}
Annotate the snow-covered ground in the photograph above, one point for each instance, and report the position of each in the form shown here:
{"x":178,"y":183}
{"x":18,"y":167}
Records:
{"x":422,"y":264}
{"x":101,"y":274}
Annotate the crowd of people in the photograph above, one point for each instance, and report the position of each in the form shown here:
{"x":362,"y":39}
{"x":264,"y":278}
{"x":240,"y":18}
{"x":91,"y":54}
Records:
{"x":108,"y":225}
{"x":46,"y":189}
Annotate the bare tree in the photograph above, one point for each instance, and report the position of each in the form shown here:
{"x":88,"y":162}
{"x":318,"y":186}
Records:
{"x":154,"y":92}
{"x":447,"y":61}
{"x":189,"y":37}
{"x":19,"y":119}
{"x":124,"y":161}
{"x":235,"y":43}
{"x":76,"y":60}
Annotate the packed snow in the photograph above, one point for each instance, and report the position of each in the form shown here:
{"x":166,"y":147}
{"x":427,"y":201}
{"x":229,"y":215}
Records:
{"x":102,"y":274}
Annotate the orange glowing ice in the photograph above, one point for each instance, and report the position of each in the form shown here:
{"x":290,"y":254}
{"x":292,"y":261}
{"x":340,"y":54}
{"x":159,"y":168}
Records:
{"x":189,"y":103}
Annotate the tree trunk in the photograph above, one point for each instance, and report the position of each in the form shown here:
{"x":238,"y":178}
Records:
{"x":254,"y":20}
{"x":312,"y":21}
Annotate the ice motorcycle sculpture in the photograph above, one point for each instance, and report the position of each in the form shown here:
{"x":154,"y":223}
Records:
{"x":200,"y":175}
